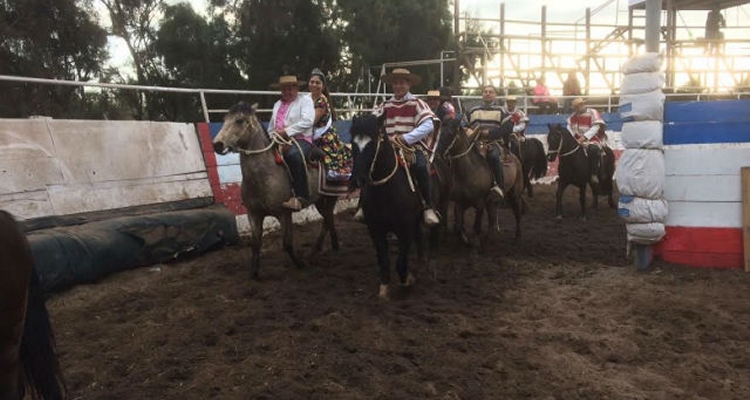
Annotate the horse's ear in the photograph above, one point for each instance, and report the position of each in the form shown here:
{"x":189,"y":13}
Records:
{"x":254,"y":108}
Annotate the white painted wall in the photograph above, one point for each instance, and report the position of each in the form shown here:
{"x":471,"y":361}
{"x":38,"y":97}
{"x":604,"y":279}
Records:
{"x":59,"y":167}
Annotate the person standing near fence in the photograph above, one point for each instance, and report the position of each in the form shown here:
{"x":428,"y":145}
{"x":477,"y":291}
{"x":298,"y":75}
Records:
{"x":571,"y":90}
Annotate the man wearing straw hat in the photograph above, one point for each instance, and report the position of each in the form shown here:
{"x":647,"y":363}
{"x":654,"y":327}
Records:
{"x":491,"y":115}
{"x":292,"y":118}
{"x":585,"y":124}
{"x":516,"y":115}
{"x":408,"y":122}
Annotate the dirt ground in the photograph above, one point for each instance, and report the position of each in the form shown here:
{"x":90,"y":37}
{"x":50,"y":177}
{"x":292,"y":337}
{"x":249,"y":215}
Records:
{"x":560,"y":314}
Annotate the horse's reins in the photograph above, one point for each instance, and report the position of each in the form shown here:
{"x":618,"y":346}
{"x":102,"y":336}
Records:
{"x":559,"y":148}
{"x":374,"y":161}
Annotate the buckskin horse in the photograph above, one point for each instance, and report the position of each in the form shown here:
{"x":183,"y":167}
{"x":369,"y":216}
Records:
{"x":574,"y":168}
{"x":388,"y":201}
{"x":266,"y":183}
{"x":28,"y":359}
{"x":472,"y":179}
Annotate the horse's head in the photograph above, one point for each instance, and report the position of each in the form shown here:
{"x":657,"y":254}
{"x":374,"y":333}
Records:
{"x":449,"y":130}
{"x":366,"y":130}
{"x":554,"y":140}
{"x":240,"y":125}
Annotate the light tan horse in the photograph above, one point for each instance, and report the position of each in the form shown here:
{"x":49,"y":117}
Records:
{"x":266,"y":183}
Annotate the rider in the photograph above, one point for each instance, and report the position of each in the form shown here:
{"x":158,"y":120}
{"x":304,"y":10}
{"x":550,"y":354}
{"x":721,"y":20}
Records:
{"x":491,"y":115}
{"x":586,"y":124}
{"x":518,"y":117}
{"x":292,"y":118}
{"x":408,"y":123}
{"x":440,"y":103}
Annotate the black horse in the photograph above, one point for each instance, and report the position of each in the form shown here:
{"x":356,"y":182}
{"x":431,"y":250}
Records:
{"x":531,"y":153}
{"x":575,"y":168}
{"x":387,"y":199}
{"x":28,"y":359}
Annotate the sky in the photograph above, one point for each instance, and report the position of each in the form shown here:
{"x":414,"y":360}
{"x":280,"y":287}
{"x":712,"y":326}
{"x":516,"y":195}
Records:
{"x":612,"y":12}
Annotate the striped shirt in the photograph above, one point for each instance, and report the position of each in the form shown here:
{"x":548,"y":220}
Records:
{"x":410,"y":117}
{"x":487,"y":116}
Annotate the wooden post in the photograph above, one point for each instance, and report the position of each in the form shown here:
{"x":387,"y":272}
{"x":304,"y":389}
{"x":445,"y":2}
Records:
{"x":746,"y":215}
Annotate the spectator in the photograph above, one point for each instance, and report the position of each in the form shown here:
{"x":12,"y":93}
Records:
{"x":571,"y":90}
{"x":714,"y":22}
{"x":542,"y":98}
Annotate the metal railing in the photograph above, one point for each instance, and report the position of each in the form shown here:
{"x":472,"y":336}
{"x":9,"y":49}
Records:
{"x":350,"y":103}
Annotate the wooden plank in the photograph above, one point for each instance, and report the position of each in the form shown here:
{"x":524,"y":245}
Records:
{"x":746,"y":215}
{"x":719,"y":188}
{"x":719,"y":159}
{"x":705,"y":214}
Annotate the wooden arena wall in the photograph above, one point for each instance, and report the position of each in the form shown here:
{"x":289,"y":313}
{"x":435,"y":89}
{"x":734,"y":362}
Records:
{"x":60,"y":167}
{"x":706,"y":145}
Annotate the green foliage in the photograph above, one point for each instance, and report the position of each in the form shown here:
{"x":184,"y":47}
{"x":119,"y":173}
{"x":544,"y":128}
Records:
{"x":383,"y":31}
{"x":42,"y":38}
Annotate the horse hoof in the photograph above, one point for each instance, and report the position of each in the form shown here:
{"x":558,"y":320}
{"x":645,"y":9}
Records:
{"x":559,"y":218}
{"x":583,"y":218}
{"x":383,"y":293}
{"x":409,"y":281}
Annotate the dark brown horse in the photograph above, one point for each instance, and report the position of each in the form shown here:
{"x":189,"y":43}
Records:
{"x":472,"y":180}
{"x":389,"y":202}
{"x":266,"y":183}
{"x":575,"y":168}
{"x":28,"y":360}
{"x":531,"y":153}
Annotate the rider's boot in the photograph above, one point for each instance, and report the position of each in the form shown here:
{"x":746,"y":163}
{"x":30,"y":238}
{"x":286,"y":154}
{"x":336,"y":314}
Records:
{"x":496,"y":165}
{"x":422,"y":175}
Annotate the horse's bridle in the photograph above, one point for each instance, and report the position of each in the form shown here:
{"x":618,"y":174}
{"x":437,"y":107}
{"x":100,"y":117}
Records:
{"x":374,"y":161}
{"x":453,"y":143}
{"x":559,"y":148}
{"x":275,"y":138}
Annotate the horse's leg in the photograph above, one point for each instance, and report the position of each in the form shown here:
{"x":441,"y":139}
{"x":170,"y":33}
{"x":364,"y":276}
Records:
{"x":478,"y":215}
{"x":516,"y":204}
{"x":325,"y":206}
{"x":380,"y":241}
{"x":256,"y":241}
{"x":402,"y":262}
{"x":582,"y":200}
{"x":561,"y":185}
{"x":595,"y":197}
{"x":287,"y":229}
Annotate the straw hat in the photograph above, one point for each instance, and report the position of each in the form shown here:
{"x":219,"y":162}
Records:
{"x":433,"y":93}
{"x":510,"y":98}
{"x":287,"y":80}
{"x":578,"y":101}
{"x":401,"y":73}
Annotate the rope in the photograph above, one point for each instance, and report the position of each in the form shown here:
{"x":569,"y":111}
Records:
{"x":374,"y":161}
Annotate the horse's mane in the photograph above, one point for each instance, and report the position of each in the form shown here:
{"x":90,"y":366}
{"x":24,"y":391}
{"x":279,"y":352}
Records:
{"x":241,"y":107}
{"x":365,"y":124}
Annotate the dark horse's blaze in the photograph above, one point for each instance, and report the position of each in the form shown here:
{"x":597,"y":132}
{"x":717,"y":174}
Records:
{"x":388,"y":202}
{"x":27,"y":346}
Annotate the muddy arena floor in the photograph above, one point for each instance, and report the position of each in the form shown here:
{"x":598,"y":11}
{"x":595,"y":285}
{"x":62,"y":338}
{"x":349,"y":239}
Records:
{"x":560,"y":314}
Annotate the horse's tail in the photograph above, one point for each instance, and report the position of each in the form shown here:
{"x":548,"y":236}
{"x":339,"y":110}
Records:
{"x":540,"y":160}
{"x":38,"y":354}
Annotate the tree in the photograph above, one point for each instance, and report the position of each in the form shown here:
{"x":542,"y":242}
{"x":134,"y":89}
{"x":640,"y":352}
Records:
{"x":383,"y":31}
{"x":48,"y":39}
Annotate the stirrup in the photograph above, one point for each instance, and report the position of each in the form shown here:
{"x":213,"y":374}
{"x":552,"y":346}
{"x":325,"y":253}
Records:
{"x":294,"y":204}
{"x":497,"y":192}
{"x":430,"y":217}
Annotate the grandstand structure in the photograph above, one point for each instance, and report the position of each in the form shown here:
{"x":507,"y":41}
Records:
{"x":512,"y":53}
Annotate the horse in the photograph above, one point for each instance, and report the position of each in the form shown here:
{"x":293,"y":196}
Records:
{"x":266,"y":183}
{"x":441,"y":181}
{"x":533,"y":159}
{"x":389,"y":202}
{"x":575,"y":169}
{"x":472,"y":179}
{"x":28,"y":359}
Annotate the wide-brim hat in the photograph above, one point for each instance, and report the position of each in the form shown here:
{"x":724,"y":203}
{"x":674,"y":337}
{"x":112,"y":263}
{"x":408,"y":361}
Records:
{"x":285,"y":80}
{"x":401,"y":73}
{"x":433,"y":94}
{"x":510,"y":98}
{"x":577,"y":101}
